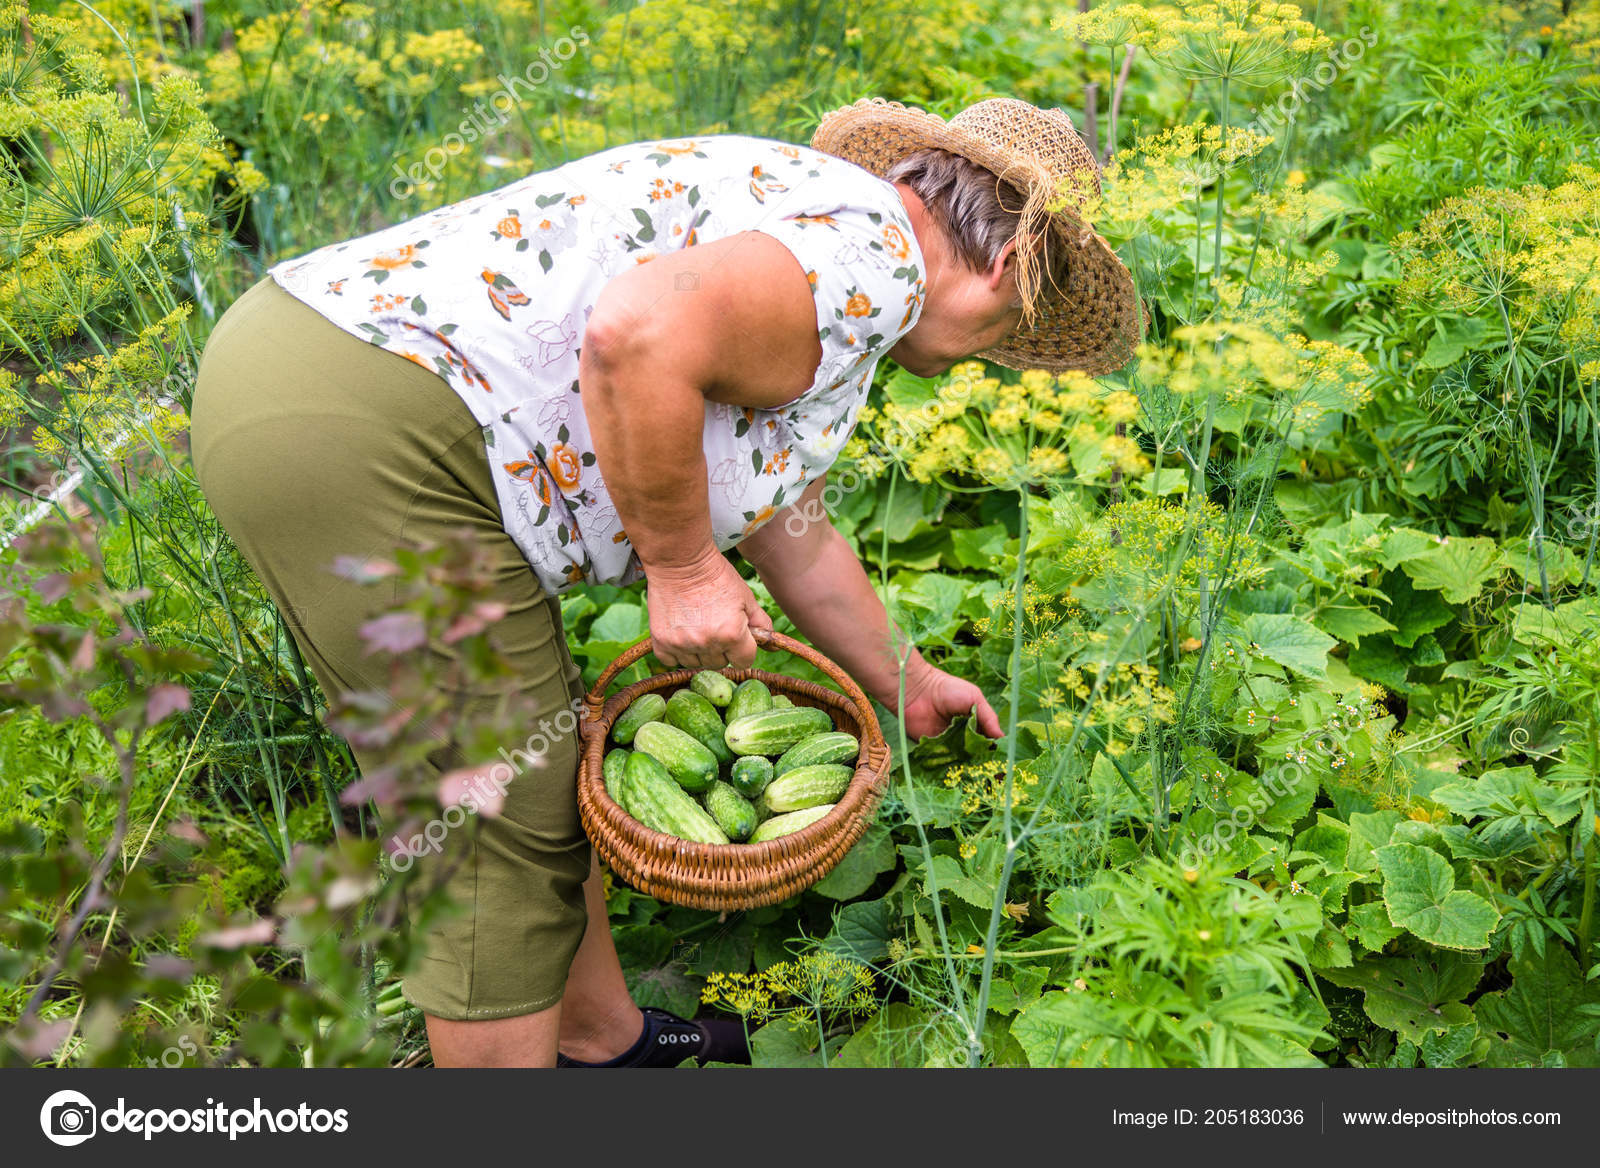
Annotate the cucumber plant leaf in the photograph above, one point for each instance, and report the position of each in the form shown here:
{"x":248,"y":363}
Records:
{"x":1457,"y":569}
{"x":1414,"y":611}
{"x":1546,"y":1018}
{"x":1412,"y":996}
{"x":1291,"y":641}
{"x":1420,"y":893}
{"x":872,"y":855}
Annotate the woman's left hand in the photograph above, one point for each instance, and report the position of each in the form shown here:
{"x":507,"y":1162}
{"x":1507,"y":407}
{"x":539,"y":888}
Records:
{"x":934,"y":697}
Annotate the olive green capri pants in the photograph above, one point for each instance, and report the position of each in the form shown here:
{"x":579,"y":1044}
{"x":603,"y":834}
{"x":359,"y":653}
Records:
{"x":311,"y":444}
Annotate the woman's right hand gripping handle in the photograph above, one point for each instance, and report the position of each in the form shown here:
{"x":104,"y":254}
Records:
{"x":702,"y":614}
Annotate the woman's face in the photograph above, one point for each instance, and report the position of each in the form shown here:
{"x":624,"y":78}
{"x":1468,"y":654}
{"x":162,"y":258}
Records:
{"x":963,"y":314}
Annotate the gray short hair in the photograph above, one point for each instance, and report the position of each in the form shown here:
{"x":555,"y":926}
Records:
{"x":978,"y":212}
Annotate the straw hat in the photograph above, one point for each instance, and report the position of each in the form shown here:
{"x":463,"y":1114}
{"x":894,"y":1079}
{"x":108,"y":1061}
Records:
{"x":1096,"y":321}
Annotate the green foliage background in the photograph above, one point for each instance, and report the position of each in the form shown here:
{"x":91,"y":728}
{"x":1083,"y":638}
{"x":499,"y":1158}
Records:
{"x":1291,"y":623}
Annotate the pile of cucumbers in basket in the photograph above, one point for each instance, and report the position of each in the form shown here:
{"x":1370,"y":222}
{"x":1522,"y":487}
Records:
{"x":717,"y":763}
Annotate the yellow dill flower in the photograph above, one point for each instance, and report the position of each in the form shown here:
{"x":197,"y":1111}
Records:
{"x":1120,"y":406}
{"x":449,"y":48}
{"x":1007,"y":419}
{"x":994,"y":464}
{"x":1243,"y":41}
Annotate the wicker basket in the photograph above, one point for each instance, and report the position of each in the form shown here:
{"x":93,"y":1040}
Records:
{"x":730,"y":876}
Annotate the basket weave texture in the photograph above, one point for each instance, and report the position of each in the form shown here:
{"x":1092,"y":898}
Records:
{"x":729,"y":877}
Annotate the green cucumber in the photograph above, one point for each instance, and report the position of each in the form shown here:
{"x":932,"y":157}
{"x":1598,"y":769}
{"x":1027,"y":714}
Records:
{"x":734,"y":814}
{"x":750,"y":775}
{"x":775,"y":731}
{"x":751,"y":697}
{"x":807,"y":786}
{"x":644,"y":708}
{"x":781,"y":825}
{"x":661,"y":805}
{"x":781,"y":702}
{"x":687,"y":760}
{"x":829,"y":746}
{"x":615,"y":772}
{"x":713,"y":686}
{"x":698,"y":718}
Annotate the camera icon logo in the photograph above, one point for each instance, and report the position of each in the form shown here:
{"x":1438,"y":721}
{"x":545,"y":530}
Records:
{"x":68,"y":1118}
{"x":686,"y":281}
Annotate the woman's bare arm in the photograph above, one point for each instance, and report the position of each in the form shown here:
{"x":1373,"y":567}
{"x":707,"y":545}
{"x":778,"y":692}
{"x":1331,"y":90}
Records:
{"x":731,"y":321}
{"x":817,"y":579}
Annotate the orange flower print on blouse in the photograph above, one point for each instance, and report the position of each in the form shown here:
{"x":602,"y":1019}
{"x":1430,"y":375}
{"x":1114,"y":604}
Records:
{"x":566,"y":466}
{"x":858,"y":305}
{"x":531,"y":471}
{"x":509,"y":228}
{"x":391,"y":260}
{"x":763,"y":184}
{"x":895,"y":242}
{"x":503,"y":294}
{"x":913,"y":306}
{"x":757,"y":518}
{"x":662,"y":189}
{"x":386,"y":263}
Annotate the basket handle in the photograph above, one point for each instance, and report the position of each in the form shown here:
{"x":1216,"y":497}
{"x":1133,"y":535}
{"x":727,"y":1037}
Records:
{"x":764,"y":638}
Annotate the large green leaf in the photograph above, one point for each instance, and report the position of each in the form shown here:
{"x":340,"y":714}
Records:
{"x":1350,"y":620}
{"x":977,"y":547}
{"x":1538,"y":1021}
{"x":1291,"y":641}
{"x":954,"y":881}
{"x":1565,"y":624}
{"x":1379,"y":659}
{"x":727,"y":949}
{"x":1369,"y":831}
{"x":932,"y":607}
{"x":1452,"y":338}
{"x":864,"y":929}
{"x":1501,"y":791}
{"x":872,"y":854}
{"x":1412,"y":996}
{"x":1419,"y":890}
{"x":1561,"y":563}
{"x":1402,"y":544}
{"x":1457,"y":567}
{"x":1045,"y":1030}
{"x":1413,"y":610}
{"x":900,"y":1035}
{"x":1370,"y":927}
{"x":1449,"y":1048}
{"x":790,"y":1041}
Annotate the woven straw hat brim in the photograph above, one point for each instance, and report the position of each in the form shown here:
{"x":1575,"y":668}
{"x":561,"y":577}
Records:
{"x":1095,"y":322}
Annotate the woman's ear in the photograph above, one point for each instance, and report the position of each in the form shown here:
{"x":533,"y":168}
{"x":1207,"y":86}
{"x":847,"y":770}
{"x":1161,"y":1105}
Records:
{"x":1004,"y":263}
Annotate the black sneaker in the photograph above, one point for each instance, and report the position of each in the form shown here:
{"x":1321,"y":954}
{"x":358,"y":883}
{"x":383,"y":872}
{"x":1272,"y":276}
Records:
{"x":668,"y":1040}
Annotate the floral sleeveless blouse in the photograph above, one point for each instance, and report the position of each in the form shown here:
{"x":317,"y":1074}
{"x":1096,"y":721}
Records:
{"x":493,"y":294}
